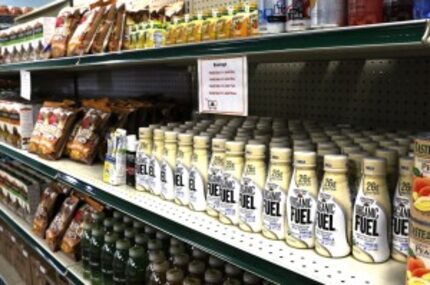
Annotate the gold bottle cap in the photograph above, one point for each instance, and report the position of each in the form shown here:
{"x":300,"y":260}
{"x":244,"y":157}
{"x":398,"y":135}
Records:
{"x":301,"y":142}
{"x":218,"y":144}
{"x":343,"y":143}
{"x":280,"y":139}
{"x":368,"y":133}
{"x":374,"y":166}
{"x":154,"y":126}
{"x":158,"y":134}
{"x":326,"y":145}
{"x":360,"y":140}
{"x":235,"y":147}
{"x":170,"y":136}
{"x":389,"y":155}
{"x":255,"y":150}
{"x":308,"y":147}
{"x":304,"y":158}
{"x":278,"y":144}
{"x":299,"y":136}
{"x":355,"y":135}
{"x":320,"y":139}
{"x":201,"y":141}
{"x":387,"y":143}
{"x":145,"y":133}
{"x":370,"y":147}
{"x":406,"y":165}
{"x":351,"y":148}
{"x":331,"y":132}
{"x":403,"y":141}
{"x":402,"y":150}
{"x":333,"y":162}
{"x":280,"y":154}
{"x":339,"y":137}
{"x":185,"y":139}
{"x":377,"y":137}
{"x":327,"y":151}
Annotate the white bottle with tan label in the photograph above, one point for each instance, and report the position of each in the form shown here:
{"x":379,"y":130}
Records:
{"x":301,"y":201}
{"x":154,"y":180}
{"x":168,"y":166}
{"x":182,"y":169}
{"x":334,"y":209}
{"x":251,"y":191}
{"x":199,"y":173}
{"x":215,"y":176}
{"x":372,"y":214}
{"x":233,"y":168}
{"x":275,"y":192}
{"x":401,"y":210}
{"x":143,"y":158}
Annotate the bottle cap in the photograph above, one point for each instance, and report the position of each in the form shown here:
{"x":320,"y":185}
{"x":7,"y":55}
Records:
{"x":280,"y":154}
{"x":119,"y":227}
{"x":231,"y":281}
{"x":145,"y":133}
{"x":175,"y":275}
{"x":280,"y":139}
{"x":161,"y":236}
{"x":136,"y":251}
{"x":278,"y":145}
{"x":255,"y":150}
{"x":185,"y":139}
{"x":403,"y":141}
{"x":406,"y":165}
{"x":368,"y":133}
{"x":176,"y":249}
{"x":141,"y":239}
{"x":158,"y":134}
{"x":250,"y":279}
{"x":326,"y":145}
{"x":351,"y":148}
{"x":154,"y":244}
{"x":339,"y":137}
{"x":374,"y":166}
{"x":199,"y":254}
{"x":160,"y":266}
{"x":129,"y":233}
{"x":402,"y":150}
{"x":181,"y":259}
{"x":242,"y":139}
{"x":304,"y":148}
{"x":301,"y":142}
{"x":326,"y":151}
{"x":154,"y":126}
{"x":299,"y":136}
{"x":336,"y":163}
{"x":131,"y":143}
{"x":192,"y":281}
{"x":138,"y":226}
{"x":117,"y":216}
{"x":320,"y":139}
{"x":389,"y":155}
{"x":108,"y":223}
{"x":201,"y":141}
{"x":122,"y":244}
{"x":369,"y":146}
{"x":196,"y":267}
{"x":174,"y":241}
{"x":97,"y":231}
{"x":215,"y":262}
{"x":170,"y":137}
{"x":377,"y":137}
{"x":156,"y":255}
{"x":127,"y":220}
{"x":344,"y":143}
{"x":232,"y":271}
{"x":218,"y":144}
{"x":173,"y":124}
{"x":360,"y":140}
{"x":387,"y":143}
{"x":304,"y":158}
{"x":234,"y":147}
{"x":98,"y":217}
{"x":110,"y":237}
{"x":150,"y":230}
{"x":213,"y":276}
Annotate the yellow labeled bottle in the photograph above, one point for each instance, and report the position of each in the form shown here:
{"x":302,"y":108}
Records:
{"x":143,"y":158}
{"x":155,"y":163}
{"x":215,"y":176}
{"x":181,"y":30}
{"x":199,"y":173}
{"x":223,"y":24}
{"x":372,"y":214}
{"x":401,"y":211}
{"x":251,"y":191}
{"x":171,"y":32}
{"x":239,"y":24}
{"x":301,"y":201}
{"x":209,"y":25}
{"x":253,"y":29}
{"x":334,"y":209}
{"x":182,"y":169}
{"x":233,"y":168}
{"x":168,"y":166}
{"x":194,"y":29}
{"x":275,"y":192}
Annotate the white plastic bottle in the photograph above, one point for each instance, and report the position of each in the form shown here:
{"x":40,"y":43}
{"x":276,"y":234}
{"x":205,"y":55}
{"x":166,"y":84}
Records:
{"x":334,"y":209}
{"x":302,"y":201}
{"x":199,"y":173}
{"x":182,"y":169}
{"x":372,"y":214}
{"x":154,"y":180}
{"x":275,"y":192}
{"x":401,"y":210}
{"x":168,"y":166}
{"x":143,"y":158}
{"x":251,"y":191}
{"x":215,"y":176}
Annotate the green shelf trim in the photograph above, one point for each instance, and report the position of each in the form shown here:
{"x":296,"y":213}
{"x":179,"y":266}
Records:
{"x":384,"y":35}
{"x":245,"y":260}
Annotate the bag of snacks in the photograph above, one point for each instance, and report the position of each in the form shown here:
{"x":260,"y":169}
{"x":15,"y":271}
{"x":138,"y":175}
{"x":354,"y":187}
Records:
{"x":101,"y":38}
{"x":115,"y":37}
{"x":67,"y":21}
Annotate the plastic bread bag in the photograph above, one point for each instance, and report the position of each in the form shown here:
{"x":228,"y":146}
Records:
{"x":66,"y":23}
{"x":116,"y":35}
{"x":101,"y":38}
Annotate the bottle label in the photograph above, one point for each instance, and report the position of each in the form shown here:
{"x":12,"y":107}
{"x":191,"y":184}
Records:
{"x":331,"y":227}
{"x":274,"y":210}
{"x":274,"y":11}
{"x":154,"y":176}
{"x":142,"y":170}
{"x":215,"y":179}
{"x":400,"y":221}
{"x":370,"y":230}
{"x":181,"y":183}
{"x":298,"y":17}
{"x":197,"y":190}
{"x":229,"y":198}
{"x":250,"y":204}
{"x":167,"y":184}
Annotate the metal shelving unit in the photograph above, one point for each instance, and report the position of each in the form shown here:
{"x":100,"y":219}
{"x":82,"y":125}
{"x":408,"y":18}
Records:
{"x":273,"y":260}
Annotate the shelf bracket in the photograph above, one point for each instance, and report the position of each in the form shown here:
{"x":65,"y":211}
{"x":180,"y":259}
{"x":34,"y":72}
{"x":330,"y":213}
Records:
{"x":425,"y":39}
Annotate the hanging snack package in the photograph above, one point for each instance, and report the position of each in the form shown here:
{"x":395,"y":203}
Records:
{"x":115,"y":37}
{"x":61,"y":222}
{"x":66,"y":23}
{"x":101,"y":38}
{"x":114,"y":170}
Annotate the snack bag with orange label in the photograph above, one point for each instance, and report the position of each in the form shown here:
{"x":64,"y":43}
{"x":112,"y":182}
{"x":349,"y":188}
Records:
{"x":194,"y":29}
{"x":253,"y":28}
{"x":181,"y":30}
{"x":223,"y":24}
{"x":209,"y":25}
{"x":239,"y":26}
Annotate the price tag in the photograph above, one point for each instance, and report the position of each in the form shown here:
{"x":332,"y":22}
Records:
{"x":223,"y":86}
{"x":25,"y":84}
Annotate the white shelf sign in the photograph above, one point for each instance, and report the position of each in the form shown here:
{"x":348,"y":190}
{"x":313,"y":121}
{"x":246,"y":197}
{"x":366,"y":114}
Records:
{"x":25,"y":84}
{"x":223,"y":86}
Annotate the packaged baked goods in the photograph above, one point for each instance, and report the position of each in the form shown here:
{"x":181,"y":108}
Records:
{"x":83,"y":36}
{"x":101,"y":38}
{"x":66,"y":23}
{"x":61,"y":222}
{"x":115,"y":38}
{"x":114,"y":170}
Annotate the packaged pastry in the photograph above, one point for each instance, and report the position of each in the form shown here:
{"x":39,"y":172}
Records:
{"x":83,"y":36}
{"x":115,"y":38}
{"x":66,"y":23}
{"x":61,"y":222}
{"x":101,"y":38}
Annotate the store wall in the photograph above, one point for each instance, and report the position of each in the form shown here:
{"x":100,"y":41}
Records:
{"x":22,"y":3}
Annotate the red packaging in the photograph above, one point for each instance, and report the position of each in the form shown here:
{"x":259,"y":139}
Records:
{"x":364,"y":12}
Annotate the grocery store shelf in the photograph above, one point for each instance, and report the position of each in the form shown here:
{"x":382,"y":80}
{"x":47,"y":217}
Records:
{"x":50,"y":9}
{"x":381,"y":40}
{"x":273,"y":260}
{"x":62,"y":264}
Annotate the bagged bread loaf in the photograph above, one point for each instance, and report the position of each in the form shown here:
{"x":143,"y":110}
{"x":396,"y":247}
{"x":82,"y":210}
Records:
{"x":101,"y":38}
{"x":115,"y":38}
{"x":66,"y":23}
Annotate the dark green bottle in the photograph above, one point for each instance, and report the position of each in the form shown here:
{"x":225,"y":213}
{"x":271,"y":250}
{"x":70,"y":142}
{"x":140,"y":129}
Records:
{"x":108,"y":251}
{"x":175,"y":250}
{"x":216,"y":263}
{"x":117,"y":216}
{"x":154,"y":244}
{"x":196,"y":268}
{"x":174,"y":276}
{"x":136,"y":266}
{"x":120,"y":261}
{"x":200,"y":255}
{"x":153,"y":256}
{"x":119,"y":229}
{"x":192,"y":281}
{"x":85,"y":249}
{"x":251,"y":279}
{"x":108,"y":225}
{"x":95,"y":255}
{"x":150,"y":232}
{"x":181,"y":261}
{"x":213,"y":277}
{"x":142,"y":240}
{"x":139,"y":227}
{"x":127,"y":221}
{"x":98,"y":218}
{"x":164,"y":239}
{"x":129,"y":235}
{"x":232,"y":271}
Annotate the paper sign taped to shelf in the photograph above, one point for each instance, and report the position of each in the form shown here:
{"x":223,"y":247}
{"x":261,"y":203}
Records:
{"x":223,"y":86}
{"x":25,"y":84}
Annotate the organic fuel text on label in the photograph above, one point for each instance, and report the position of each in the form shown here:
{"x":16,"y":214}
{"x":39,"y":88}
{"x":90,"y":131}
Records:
{"x":366,"y":220}
{"x":301,"y":210}
{"x":271,"y":203}
{"x":325,"y":212}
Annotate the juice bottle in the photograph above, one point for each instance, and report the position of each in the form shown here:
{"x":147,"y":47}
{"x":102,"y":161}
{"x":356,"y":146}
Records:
{"x":209,"y":25}
{"x":372,"y":214}
{"x":363,"y":12}
{"x":174,"y":276}
{"x":155,"y":163}
{"x":168,"y":166}
{"x":95,"y":254}
{"x":182,"y":170}
{"x":107,"y":254}
{"x":223,"y":24}
{"x":171,"y":31}
{"x":251,"y":191}
{"x":333,"y":219}
{"x":213,"y":277}
{"x":215,"y":176}
{"x":233,"y":168}
{"x":143,"y":158}
{"x":159,"y":270}
{"x":181,"y":30}
{"x":119,"y":262}
{"x":199,"y":173}
{"x":301,"y":201}
{"x":274,"y":195}
{"x":401,"y":210}
{"x":136,"y":266}
{"x":85,"y":249}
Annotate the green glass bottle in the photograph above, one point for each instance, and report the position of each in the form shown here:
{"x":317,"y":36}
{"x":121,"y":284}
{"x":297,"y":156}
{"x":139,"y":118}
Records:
{"x":85,"y":249}
{"x":196,"y":268}
{"x":98,"y":218}
{"x":129,"y":235}
{"x":142,"y":240}
{"x":153,"y":256}
{"x":174,"y":276}
{"x":192,"y":281}
{"x":136,"y":266}
{"x":108,"y":251}
{"x":108,"y":225}
{"x":150,"y":231}
{"x":95,"y":254}
{"x":175,"y":250}
{"x":154,"y":244}
{"x":216,"y":263}
{"x":158,"y":275}
{"x":181,"y":261}
{"x":128,"y":221}
{"x":164,"y":239}
{"x":139,"y":227}
{"x":232,"y":271}
{"x":213,"y":277}
{"x":120,"y":261}
{"x":117,"y":216}
{"x":199,"y":255}
{"x":119,"y":229}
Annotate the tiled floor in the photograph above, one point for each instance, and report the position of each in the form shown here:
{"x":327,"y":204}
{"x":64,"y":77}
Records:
{"x":8,"y":274}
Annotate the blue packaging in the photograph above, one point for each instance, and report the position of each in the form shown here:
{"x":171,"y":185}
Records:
{"x":421,"y":9}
